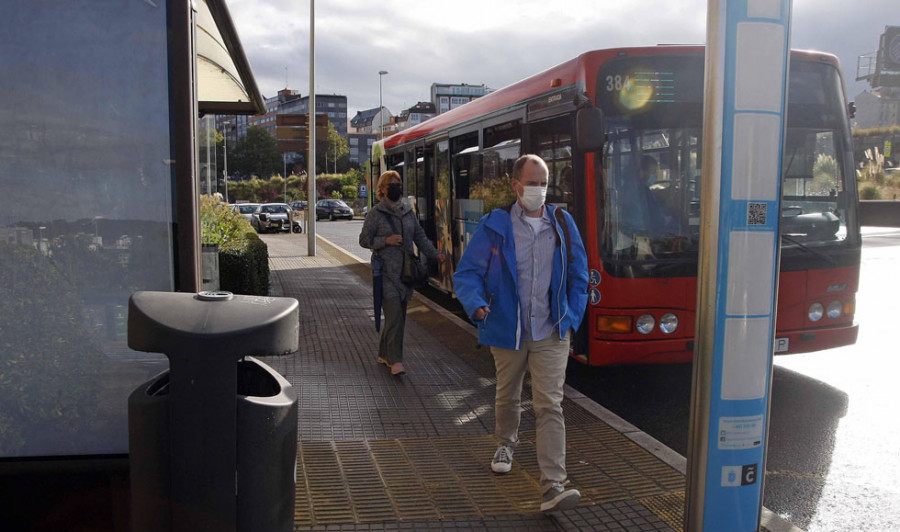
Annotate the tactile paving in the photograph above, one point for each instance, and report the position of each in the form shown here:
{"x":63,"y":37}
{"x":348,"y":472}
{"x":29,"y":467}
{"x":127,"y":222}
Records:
{"x":377,"y":452}
{"x":449,"y":478}
{"x":669,"y":507}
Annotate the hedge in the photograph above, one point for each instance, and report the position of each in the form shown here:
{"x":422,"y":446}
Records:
{"x":243,"y":257}
{"x":245,"y":270}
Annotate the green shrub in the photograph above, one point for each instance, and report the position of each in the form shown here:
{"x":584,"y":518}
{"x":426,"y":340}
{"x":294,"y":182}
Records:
{"x":272,"y":190}
{"x":221,"y":225}
{"x":243,"y":257}
{"x":245,"y":270}
{"x":870,"y":192}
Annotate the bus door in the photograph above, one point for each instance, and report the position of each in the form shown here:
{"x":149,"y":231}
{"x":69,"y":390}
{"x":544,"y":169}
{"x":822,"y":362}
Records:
{"x":409,"y":177}
{"x":423,"y":174}
{"x":552,"y":141}
{"x":465,"y":166}
{"x":395,"y":162}
{"x":443,"y":216}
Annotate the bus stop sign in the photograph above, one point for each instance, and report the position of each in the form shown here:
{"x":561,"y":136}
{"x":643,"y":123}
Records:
{"x":743,"y":127}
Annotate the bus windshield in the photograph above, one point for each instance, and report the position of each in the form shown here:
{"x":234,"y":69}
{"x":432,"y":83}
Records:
{"x":652,"y":162}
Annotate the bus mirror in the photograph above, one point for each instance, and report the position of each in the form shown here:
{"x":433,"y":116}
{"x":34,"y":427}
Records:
{"x":589,"y":130}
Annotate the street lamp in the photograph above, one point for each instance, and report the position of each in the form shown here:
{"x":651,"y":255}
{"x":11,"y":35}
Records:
{"x":380,"y":106}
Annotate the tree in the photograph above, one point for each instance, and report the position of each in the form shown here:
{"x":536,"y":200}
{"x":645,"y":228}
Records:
{"x":336,"y":146}
{"x":255,"y":153}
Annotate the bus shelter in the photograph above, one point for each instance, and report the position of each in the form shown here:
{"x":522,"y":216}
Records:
{"x":99,"y":165}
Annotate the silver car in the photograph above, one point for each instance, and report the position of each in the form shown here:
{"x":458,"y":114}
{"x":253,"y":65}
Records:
{"x":274,"y":217}
{"x":245,"y":209}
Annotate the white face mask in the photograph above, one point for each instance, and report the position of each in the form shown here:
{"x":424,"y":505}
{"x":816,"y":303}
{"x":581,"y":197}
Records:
{"x":532,"y":197}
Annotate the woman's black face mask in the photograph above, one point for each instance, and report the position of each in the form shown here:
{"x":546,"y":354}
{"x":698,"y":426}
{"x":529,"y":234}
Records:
{"x":394,"y":191}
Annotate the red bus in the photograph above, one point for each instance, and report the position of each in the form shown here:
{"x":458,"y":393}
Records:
{"x":620,"y":130}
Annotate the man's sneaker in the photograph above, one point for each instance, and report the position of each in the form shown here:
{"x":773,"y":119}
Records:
{"x":559,"y":498}
{"x":502,"y":461}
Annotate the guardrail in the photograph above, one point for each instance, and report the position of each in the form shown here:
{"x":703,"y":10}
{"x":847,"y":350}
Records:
{"x":879,"y":213}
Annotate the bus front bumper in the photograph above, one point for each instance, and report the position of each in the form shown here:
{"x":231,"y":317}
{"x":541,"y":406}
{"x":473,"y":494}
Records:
{"x":605,"y":352}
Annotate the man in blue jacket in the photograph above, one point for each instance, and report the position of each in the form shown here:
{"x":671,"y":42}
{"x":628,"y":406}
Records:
{"x":523,"y":280}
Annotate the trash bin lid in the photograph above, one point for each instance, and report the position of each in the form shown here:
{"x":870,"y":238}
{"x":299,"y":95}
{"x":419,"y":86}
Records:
{"x":235,"y":326}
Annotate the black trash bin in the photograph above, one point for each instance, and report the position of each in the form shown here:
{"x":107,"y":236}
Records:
{"x":213,"y":441}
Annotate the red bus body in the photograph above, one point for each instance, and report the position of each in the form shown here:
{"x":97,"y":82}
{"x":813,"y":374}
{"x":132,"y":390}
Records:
{"x":826,"y":274}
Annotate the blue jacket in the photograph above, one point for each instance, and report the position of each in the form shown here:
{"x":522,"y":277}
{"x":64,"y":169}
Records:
{"x":486,"y":276}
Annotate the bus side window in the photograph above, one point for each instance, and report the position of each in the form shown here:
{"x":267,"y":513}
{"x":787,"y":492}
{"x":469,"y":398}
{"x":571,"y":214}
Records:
{"x":497,"y":162}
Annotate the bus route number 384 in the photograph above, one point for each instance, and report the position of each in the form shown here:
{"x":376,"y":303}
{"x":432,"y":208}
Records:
{"x":617,"y":83}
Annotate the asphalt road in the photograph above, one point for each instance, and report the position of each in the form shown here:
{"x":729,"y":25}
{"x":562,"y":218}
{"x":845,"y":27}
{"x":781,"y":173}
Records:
{"x":832,"y":463}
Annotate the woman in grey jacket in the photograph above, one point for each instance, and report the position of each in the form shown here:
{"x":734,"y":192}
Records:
{"x":380,"y":234}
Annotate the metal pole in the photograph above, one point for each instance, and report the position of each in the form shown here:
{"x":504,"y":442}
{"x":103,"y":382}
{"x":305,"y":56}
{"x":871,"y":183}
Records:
{"x":311,"y":149}
{"x":225,"y":161}
{"x":380,"y":105}
{"x":208,"y":164}
{"x":745,"y":94}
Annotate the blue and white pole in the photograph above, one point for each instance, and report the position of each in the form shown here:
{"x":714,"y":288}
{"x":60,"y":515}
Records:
{"x":747,"y":56}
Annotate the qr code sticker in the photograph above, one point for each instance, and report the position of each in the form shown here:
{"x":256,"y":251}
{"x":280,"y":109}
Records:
{"x":756,"y":214}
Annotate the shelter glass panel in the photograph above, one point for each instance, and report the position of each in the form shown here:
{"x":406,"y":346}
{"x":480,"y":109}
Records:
{"x":86,"y":166}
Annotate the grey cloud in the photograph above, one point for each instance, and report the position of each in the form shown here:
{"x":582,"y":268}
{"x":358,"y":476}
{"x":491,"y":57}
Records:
{"x":354,"y":40}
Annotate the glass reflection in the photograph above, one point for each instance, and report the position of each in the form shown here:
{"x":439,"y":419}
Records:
{"x":85,"y":165}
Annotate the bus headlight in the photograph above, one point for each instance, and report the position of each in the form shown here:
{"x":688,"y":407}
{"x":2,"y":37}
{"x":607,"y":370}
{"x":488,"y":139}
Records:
{"x":645,"y":324}
{"x":834,"y":309}
{"x":815,"y":312}
{"x":668,"y":323}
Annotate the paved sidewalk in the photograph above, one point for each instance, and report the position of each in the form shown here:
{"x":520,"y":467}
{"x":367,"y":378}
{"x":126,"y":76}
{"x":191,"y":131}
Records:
{"x":378,"y":452}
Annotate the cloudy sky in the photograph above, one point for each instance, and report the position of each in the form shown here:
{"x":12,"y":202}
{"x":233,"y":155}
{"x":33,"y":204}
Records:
{"x":498,"y":42}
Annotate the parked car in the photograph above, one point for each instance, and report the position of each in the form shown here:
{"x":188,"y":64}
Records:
{"x":273,"y":217}
{"x":245,"y":209}
{"x":333,"y":209}
{"x":299,"y":205}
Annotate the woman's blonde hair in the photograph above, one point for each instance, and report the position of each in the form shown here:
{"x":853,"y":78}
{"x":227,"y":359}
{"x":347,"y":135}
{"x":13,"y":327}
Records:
{"x":382,"y":186}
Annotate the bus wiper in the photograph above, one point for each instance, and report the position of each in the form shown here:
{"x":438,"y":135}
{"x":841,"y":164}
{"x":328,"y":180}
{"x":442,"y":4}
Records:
{"x":808,"y":249}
